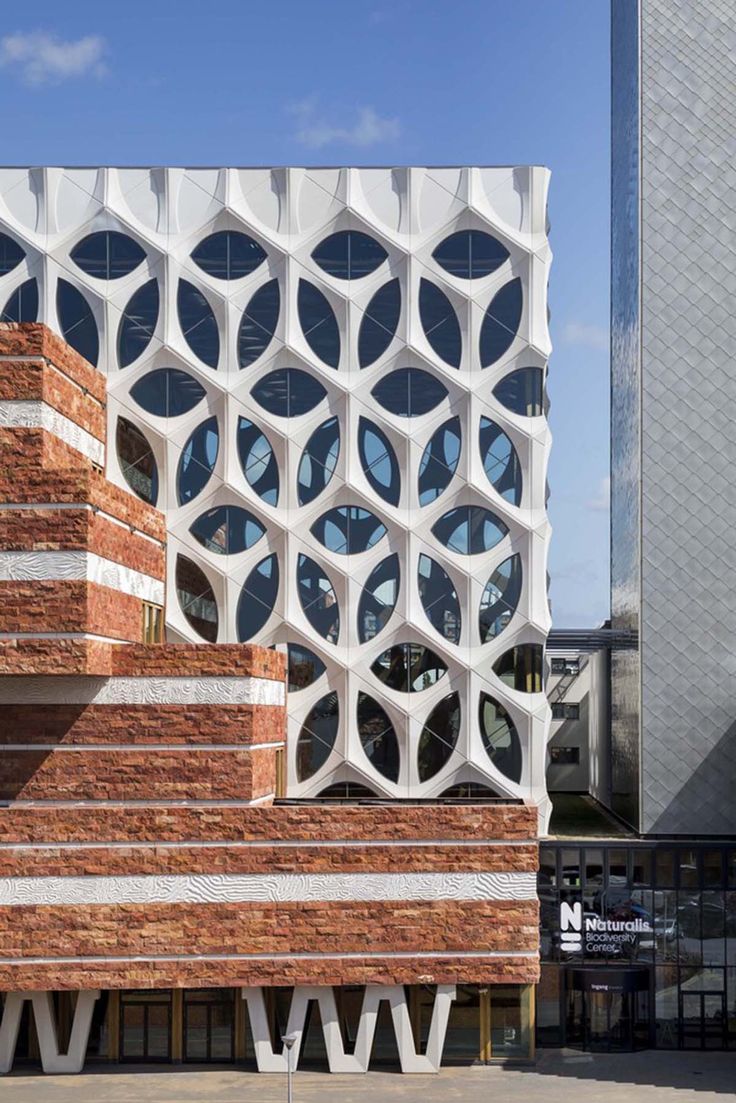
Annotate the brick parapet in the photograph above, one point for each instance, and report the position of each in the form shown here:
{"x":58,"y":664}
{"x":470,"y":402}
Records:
{"x":137,"y":660}
{"x":69,"y":605}
{"x":42,"y":381}
{"x":32,"y":341}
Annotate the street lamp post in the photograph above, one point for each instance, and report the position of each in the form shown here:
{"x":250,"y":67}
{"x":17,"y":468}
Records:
{"x":289,"y":1041}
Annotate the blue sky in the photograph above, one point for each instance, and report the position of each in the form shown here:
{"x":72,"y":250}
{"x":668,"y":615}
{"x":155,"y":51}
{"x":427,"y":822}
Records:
{"x":333,"y":81}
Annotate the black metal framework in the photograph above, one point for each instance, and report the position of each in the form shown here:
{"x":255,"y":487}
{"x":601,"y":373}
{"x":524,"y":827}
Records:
{"x":145,"y":1026}
{"x":664,"y":910}
{"x":209,"y":1025}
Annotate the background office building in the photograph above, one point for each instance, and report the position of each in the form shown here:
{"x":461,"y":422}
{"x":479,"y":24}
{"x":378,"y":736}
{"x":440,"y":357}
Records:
{"x":264,"y":430}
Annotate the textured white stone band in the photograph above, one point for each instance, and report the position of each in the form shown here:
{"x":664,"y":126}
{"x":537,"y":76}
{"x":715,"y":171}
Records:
{"x":141,"y":691}
{"x":36,"y":566}
{"x":39,"y":415}
{"x":265,"y":887}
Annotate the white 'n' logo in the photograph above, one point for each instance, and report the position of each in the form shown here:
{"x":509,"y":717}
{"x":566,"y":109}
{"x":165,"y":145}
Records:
{"x":571,"y":926}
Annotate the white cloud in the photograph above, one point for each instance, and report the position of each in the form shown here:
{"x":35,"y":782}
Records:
{"x":41,"y":58}
{"x":368,"y":129}
{"x":592,"y":337}
{"x":602,"y":501}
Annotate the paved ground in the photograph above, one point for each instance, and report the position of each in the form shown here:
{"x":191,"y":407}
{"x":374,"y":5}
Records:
{"x":558,"y":1077}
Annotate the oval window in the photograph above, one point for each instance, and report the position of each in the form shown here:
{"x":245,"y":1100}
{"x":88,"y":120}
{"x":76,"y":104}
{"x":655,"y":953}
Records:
{"x":198,"y":323}
{"x":470,"y":254}
{"x":318,"y":598}
{"x":288,"y":392}
{"x":440,"y":324}
{"x":107,"y":255}
{"x":304,"y":667}
{"x":346,"y":790}
{"x":522,"y":668}
{"x":522,"y":392}
{"x":319,"y":460}
{"x":136,"y":460}
{"x":500,"y":461}
{"x":439,"y":599}
{"x":258,"y":324}
{"x":258,"y":461}
{"x":227,"y":530}
{"x":228,"y":255}
{"x":500,"y":323}
{"x":11,"y":254}
{"x":409,"y":392}
{"x":439,"y":462}
{"x":317,"y":737}
{"x":197,"y":461}
{"x":348,"y":530}
{"x":22,"y":306}
{"x":439,"y":737}
{"x":500,"y":598}
{"x":378,"y":598}
{"x":349,"y":255}
{"x":378,"y":738}
{"x":167,"y":392}
{"x":257,"y":598}
{"x":469,"y":530}
{"x":318,"y":323}
{"x":409,"y":668}
{"x":500,"y":738}
{"x":380,"y":466}
{"x":379,"y":323}
{"x":196,"y":598}
{"x":77,"y":322}
{"x":138,"y":323}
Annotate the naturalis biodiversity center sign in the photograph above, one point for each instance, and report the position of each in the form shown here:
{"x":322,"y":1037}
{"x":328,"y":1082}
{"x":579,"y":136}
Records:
{"x":596,"y":935}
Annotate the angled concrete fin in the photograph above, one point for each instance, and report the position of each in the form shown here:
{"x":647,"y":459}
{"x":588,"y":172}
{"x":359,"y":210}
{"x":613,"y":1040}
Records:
{"x":52,"y":1061}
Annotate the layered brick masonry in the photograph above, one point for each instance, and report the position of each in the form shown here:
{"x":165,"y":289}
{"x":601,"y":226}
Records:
{"x":129,"y":763}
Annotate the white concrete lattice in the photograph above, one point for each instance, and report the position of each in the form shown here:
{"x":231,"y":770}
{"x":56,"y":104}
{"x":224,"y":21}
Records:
{"x":288,"y":212}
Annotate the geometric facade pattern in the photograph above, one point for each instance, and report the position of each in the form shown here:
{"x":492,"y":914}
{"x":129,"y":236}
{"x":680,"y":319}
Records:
{"x":331,"y":381}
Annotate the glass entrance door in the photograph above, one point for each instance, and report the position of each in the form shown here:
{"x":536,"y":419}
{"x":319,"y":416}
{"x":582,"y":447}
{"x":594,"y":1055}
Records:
{"x":703,"y":1018}
{"x":606,"y":1021}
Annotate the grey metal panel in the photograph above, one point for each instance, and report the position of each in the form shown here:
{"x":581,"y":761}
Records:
{"x":688,"y":611}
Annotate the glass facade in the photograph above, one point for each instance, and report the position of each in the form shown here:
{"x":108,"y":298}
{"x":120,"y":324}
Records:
{"x":638,"y":945}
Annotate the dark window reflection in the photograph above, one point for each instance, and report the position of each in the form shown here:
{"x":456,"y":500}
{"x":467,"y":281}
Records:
{"x":22,"y":306}
{"x":304,"y":667}
{"x":197,"y":461}
{"x":198,"y":323}
{"x":167,"y":392}
{"x":257,"y":598}
{"x":319,"y":460}
{"x":258,"y":323}
{"x":439,"y":736}
{"x":346,"y":790}
{"x":107,"y":255}
{"x":318,"y":598}
{"x":409,"y":667}
{"x":137,"y":461}
{"x":258,"y":461}
{"x":439,"y":461}
{"x":318,"y":323}
{"x":288,"y":392}
{"x":500,"y":738}
{"x":378,"y":599}
{"x":317,"y":737}
{"x":379,"y":461}
{"x":469,"y":790}
{"x":500,"y":598}
{"x":138,"y":323}
{"x":409,"y":392}
{"x":228,"y":255}
{"x":470,"y":254}
{"x":379,"y":323}
{"x":11,"y":254}
{"x":348,"y":530}
{"x":500,"y":323}
{"x":440,"y":324}
{"x":439,"y":599}
{"x":469,"y":530}
{"x":196,"y":598}
{"x":522,"y":392}
{"x":349,"y":254}
{"x":378,"y":737}
{"x":521,"y":667}
{"x":227,"y":530}
{"x":500,"y":461}
{"x":77,"y":322}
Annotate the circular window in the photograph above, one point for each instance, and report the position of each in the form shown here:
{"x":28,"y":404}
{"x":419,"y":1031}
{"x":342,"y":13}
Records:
{"x":196,"y":598}
{"x":378,"y":598}
{"x":257,"y":598}
{"x":409,"y":392}
{"x":167,"y":392}
{"x":318,"y":598}
{"x":348,"y":530}
{"x":317,"y":737}
{"x":378,"y":737}
{"x":349,"y":255}
{"x":288,"y":392}
{"x":136,"y":460}
{"x":469,"y":530}
{"x":439,"y":737}
{"x":500,"y":737}
{"x":107,"y":255}
{"x":228,"y":255}
{"x":470,"y":254}
{"x":409,"y":668}
{"x":439,"y":599}
{"x":227,"y":530}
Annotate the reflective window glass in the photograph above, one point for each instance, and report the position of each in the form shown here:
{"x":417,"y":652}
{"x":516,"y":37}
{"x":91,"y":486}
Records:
{"x":22,"y":306}
{"x":346,"y":790}
{"x":227,"y":530}
{"x":439,"y":599}
{"x":107,"y":255}
{"x":470,"y":254}
{"x":77,"y":322}
{"x":469,"y":790}
{"x":522,"y":392}
{"x":196,"y":598}
{"x":409,"y":392}
{"x":348,"y":530}
{"x":167,"y":392}
{"x":317,"y":737}
{"x":378,"y":599}
{"x":319,"y":460}
{"x":258,"y":461}
{"x":409,"y":668}
{"x":137,"y":461}
{"x":500,"y":738}
{"x":439,"y":736}
{"x":318,"y":598}
{"x":379,"y":461}
{"x":257,"y":598}
{"x":500,"y":323}
{"x":378,"y":737}
{"x":318,"y":323}
{"x":228,"y":255}
{"x":288,"y":392}
{"x":500,"y":598}
{"x":138,"y":323}
{"x":198,"y":323}
{"x":258,"y":323}
{"x":304,"y":667}
{"x":500,"y":461}
{"x":11,"y":254}
{"x":349,"y":255}
{"x":440,"y":324}
{"x":197,"y":460}
{"x":521,"y":667}
{"x":439,"y":461}
{"x":379,"y":322}
{"x":469,"y":530}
